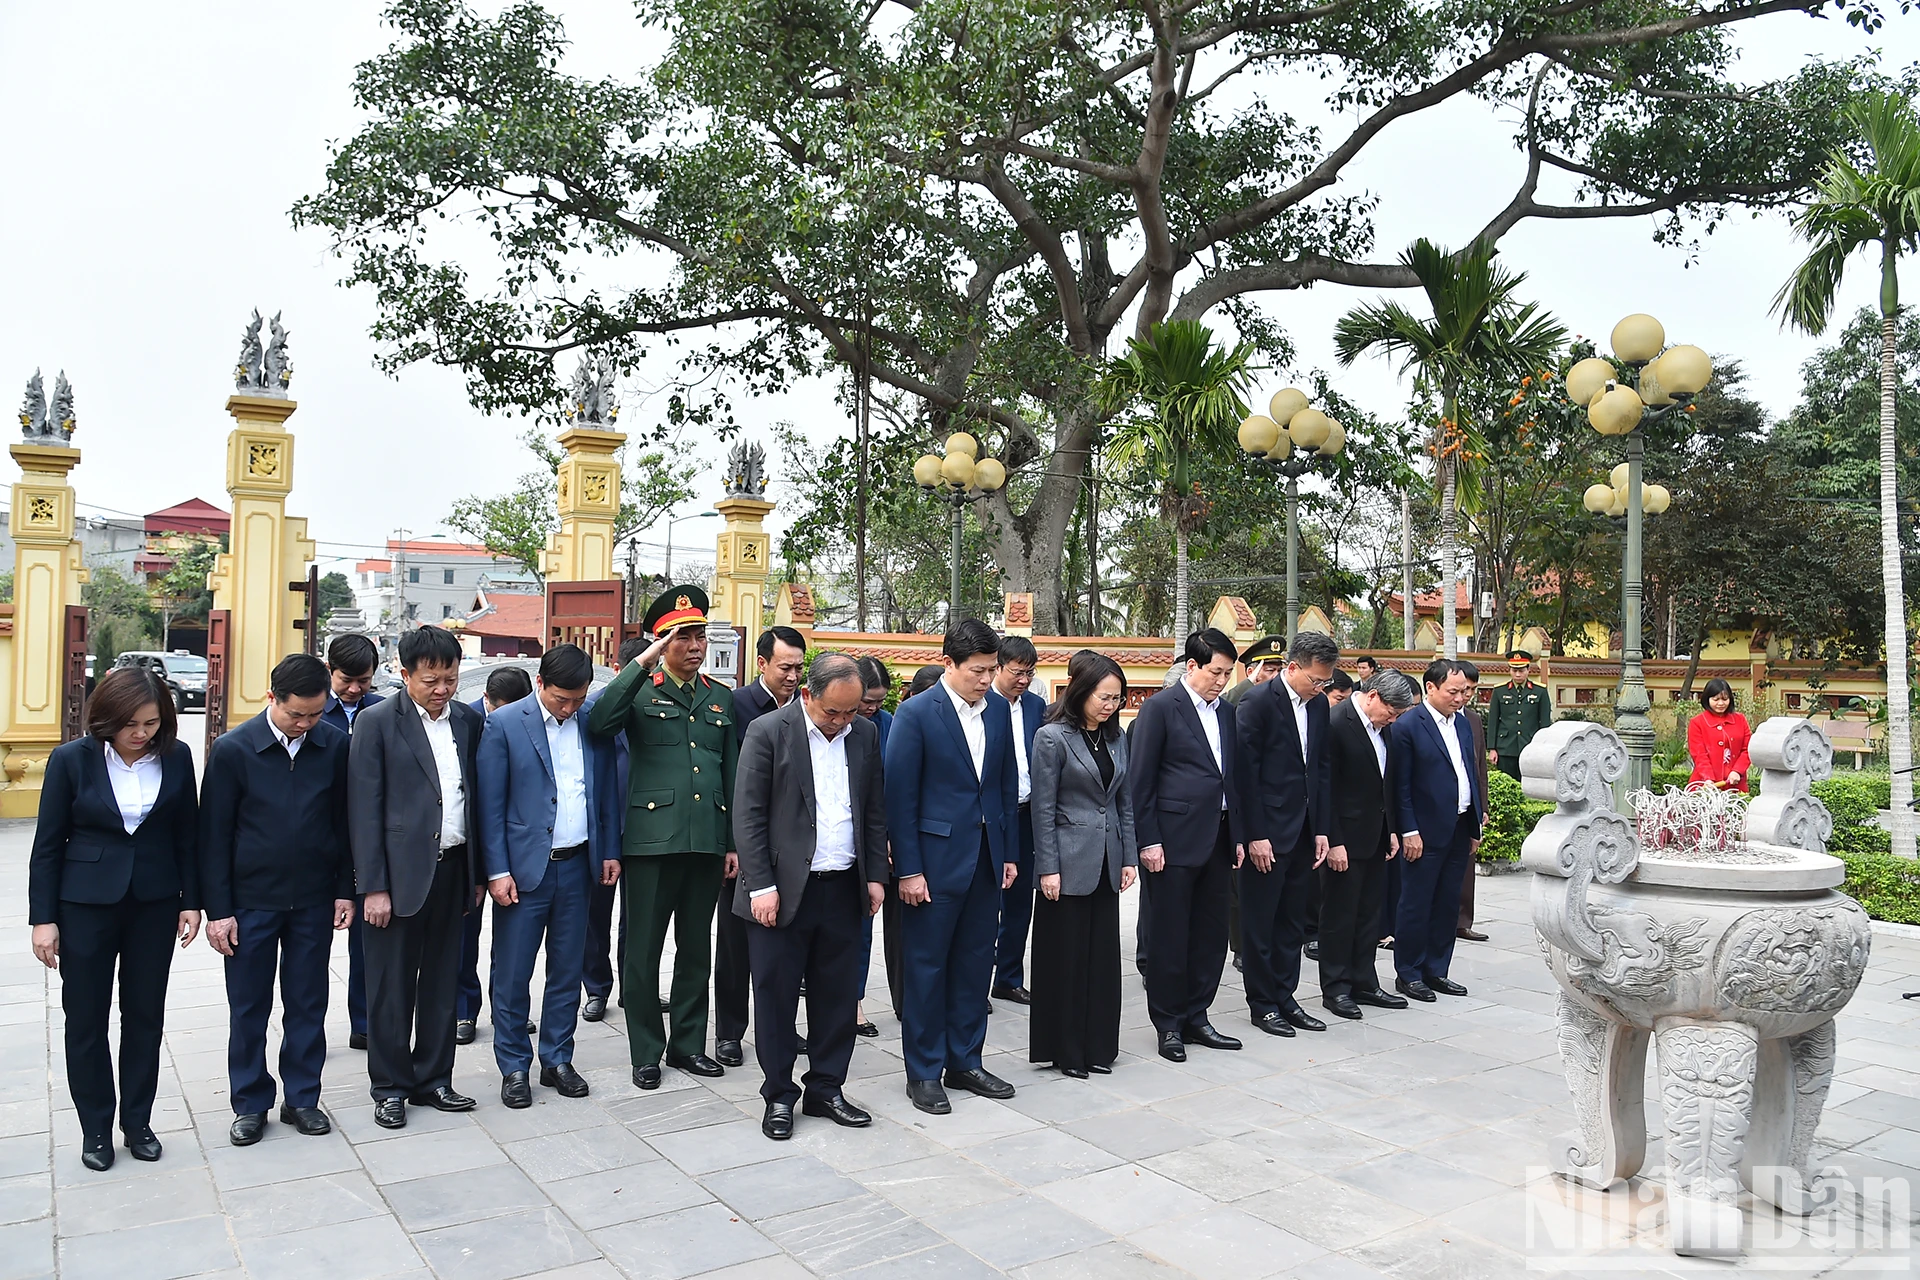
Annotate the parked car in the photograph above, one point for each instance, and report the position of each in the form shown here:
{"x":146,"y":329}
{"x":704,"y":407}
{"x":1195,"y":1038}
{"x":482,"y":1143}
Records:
{"x":184,"y":673}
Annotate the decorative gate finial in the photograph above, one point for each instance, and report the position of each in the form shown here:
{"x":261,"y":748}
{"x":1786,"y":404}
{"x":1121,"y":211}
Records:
{"x":593,"y":404}
{"x":746,"y":471}
{"x":44,"y":424}
{"x":263,"y":371}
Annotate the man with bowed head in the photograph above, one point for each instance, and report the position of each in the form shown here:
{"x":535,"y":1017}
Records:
{"x":1440,"y":807}
{"x":350,"y":664}
{"x":952,"y":795}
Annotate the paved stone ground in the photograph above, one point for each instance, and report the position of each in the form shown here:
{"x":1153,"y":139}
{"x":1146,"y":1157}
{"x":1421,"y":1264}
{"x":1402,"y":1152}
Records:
{"x":1408,"y":1145}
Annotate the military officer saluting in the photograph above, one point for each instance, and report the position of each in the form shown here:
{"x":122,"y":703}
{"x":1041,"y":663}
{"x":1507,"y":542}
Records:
{"x":1519,"y":709}
{"x":1263,"y":660}
{"x":679,"y":835}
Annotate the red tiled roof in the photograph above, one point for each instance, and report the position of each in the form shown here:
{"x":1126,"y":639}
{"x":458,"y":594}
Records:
{"x":191,"y":516}
{"x":374,"y":566}
{"x":512,"y":615}
{"x":431,"y":547}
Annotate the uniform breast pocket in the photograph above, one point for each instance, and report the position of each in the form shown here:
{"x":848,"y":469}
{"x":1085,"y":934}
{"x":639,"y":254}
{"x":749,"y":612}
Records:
{"x":84,"y":852}
{"x":660,"y":726}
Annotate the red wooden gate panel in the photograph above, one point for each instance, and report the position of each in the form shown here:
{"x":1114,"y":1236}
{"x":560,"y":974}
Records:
{"x":588,"y":614}
{"x":218,"y":623}
{"x":73,"y":700}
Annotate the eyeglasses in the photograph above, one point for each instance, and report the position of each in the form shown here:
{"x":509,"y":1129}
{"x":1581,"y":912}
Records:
{"x":1107,"y":699}
{"x":1018,"y":673}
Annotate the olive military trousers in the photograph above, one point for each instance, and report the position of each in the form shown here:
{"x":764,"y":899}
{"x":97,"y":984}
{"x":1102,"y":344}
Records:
{"x":678,"y":889}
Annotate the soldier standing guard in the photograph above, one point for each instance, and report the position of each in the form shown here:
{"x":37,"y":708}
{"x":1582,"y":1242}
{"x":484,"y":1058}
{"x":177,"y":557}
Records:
{"x":679,"y":835}
{"x":1519,"y":709}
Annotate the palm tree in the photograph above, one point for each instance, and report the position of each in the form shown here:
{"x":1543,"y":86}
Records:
{"x":1185,"y":393}
{"x":1856,"y":208}
{"x":1478,"y":329}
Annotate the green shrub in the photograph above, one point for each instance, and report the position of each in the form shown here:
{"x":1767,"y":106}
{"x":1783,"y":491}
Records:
{"x":1888,"y":887}
{"x":1853,"y":799}
{"x":1510,"y":817}
{"x":1676,"y":778}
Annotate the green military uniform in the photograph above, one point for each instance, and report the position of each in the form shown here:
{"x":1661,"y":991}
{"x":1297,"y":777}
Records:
{"x":1518,"y":710}
{"x":1266,"y":649}
{"x":681,"y":751}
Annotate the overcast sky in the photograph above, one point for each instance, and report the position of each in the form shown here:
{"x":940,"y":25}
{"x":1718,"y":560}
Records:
{"x":151,"y":153}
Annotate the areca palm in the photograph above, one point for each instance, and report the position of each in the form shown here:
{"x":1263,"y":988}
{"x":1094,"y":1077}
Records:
{"x":1184,"y":393}
{"x":1478,"y":328}
{"x":1856,"y":208}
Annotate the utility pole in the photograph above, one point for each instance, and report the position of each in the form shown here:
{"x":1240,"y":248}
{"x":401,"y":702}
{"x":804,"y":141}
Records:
{"x":863,"y":398}
{"x":398,"y":566}
{"x":632,"y":611}
{"x":1406,"y":568}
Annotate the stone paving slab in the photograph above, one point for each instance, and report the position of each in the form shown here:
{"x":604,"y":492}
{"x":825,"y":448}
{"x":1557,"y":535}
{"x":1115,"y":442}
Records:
{"x":1409,"y":1145}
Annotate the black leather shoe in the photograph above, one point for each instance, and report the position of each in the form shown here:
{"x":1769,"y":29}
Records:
{"x":1013,"y":995}
{"x":97,"y":1154}
{"x":1207,"y":1038}
{"x":800,"y":1046}
{"x":1471,"y":935}
{"x":928,"y":1096}
{"x":1274,"y":1025}
{"x":357,"y":1040}
{"x":695,"y":1064}
{"x":1313,"y":950}
{"x":247,"y":1129}
{"x":463,"y":1031}
{"x":1302,"y":1019}
{"x":1170,"y":1047}
{"x":1100,"y":1068}
{"x":594,"y":1009}
{"x":778,"y":1122}
{"x":533,"y":1028}
{"x":866,"y":1029}
{"x":515,"y":1092}
{"x":142,"y":1145}
{"x":1446,"y":986}
{"x":442,"y":1098}
{"x":1073,"y":1073}
{"x":647,"y":1077}
{"x":727,"y":1053}
{"x":836,"y":1109}
{"x":1342,"y":1006}
{"x":565,"y":1080}
{"x":975,"y":1080}
{"x":1416,"y":990}
{"x":1239,"y":965}
{"x":1380,"y":999}
{"x":309,"y":1121}
{"x":390,"y":1113}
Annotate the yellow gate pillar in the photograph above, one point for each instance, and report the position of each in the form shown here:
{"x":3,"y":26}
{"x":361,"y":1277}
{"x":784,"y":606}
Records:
{"x":589,"y":494}
{"x":742,"y":562}
{"x":48,"y":573}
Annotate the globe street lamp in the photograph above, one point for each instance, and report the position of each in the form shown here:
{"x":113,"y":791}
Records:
{"x":1645,"y":381}
{"x":958,"y":478}
{"x":1292,"y":438}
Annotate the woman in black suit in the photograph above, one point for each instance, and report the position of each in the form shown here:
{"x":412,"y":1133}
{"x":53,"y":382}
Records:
{"x":112,"y":883}
{"x":1084,"y":855}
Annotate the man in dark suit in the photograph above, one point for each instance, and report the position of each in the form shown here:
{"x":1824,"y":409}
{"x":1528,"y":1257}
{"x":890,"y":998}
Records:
{"x":782,"y":655}
{"x":1477,"y":722}
{"x":1360,"y":829}
{"x":598,"y":970}
{"x":1187,"y":818}
{"x":350,"y":664}
{"x":952,"y":792}
{"x":410,"y":811}
{"x":276,"y":873}
{"x":809,"y":817}
{"x":1439,"y":807}
{"x":549,"y":830}
{"x":1011,"y":679}
{"x":505,"y":686}
{"x":1282,"y":738}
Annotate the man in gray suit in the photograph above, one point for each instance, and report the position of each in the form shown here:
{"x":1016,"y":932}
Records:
{"x":810,"y":824}
{"x":410,"y":807}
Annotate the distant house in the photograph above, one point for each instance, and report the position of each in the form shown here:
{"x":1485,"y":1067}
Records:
{"x":433,"y":579}
{"x":510,"y":622}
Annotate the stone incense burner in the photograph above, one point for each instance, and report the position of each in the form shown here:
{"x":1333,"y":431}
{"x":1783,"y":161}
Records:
{"x":1733,"y":954}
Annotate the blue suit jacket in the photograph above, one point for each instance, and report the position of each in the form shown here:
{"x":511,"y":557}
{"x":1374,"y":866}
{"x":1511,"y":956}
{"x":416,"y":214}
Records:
{"x":1426,"y":791}
{"x":935,"y":807}
{"x":336,"y":715}
{"x":518,"y":800}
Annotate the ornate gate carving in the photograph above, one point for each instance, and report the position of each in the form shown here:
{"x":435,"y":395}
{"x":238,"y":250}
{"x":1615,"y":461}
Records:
{"x":589,"y":614}
{"x":218,"y":623}
{"x":73,"y":696}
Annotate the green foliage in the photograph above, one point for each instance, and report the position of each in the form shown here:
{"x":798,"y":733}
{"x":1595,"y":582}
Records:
{"x":1664,"y":778}
{"x":1510,"y":817}
{"x":6,"y":587}
{"x":185,"y":587}
{"x":1888,"y":887}
{"x":120,"y":615}
{"x":335,"y":593}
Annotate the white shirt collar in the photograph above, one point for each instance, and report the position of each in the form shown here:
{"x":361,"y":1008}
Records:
{"x":446,"y":713}
{"x":1193,"y":693}
{"x":818,"y":734}
{"x":291,"y":744}
{"x":772,"y":696}
{"x":961,"y":705}
{"x":1444,"y":721}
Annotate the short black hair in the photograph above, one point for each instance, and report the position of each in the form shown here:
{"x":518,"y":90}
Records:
{"x":510,"y":684}
{"x":299,"y":675}
{"x":352,"y":655}
{"x":1309,"y":647}
{"x":1208,"y":643}
{"x":566,"y":666}
{"x":428,"y":646}
{"x":1439,"y":671}
{"x":1018,"y":649}
{"x":1716,"y":687}
{"x":924,"y":679}
{"x":829,"y":669}
{"x":632,"y":647}
{"x":1365,"y":660}
{"x":969,"y":638}
{"x":873,"y":673}
{"x":1338,"y":681}
{"x":1071,"y":710}
{"x":785,"y":635}
{"x":117,"y":699}
{"x":1470,"y":670}
{"x":1079,"y":661}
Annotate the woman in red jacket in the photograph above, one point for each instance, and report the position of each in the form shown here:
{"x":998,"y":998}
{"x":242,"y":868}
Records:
{"x":1717,"y":739}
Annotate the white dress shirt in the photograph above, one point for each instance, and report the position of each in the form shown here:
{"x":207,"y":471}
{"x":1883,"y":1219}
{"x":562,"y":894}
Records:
{"x":973,"y":725}
{"x":1300,"y":718}
{"x":832,"y":803}
{"x":135,"y":786}
{"x":1462,"y":780}
{"x":446,"y":762}
{"x":291,"y":744}
{"x":1020,"y":748}
{"x":1378,"y":737}
{"x":1209,"y":713}
{"x":569,"y":779}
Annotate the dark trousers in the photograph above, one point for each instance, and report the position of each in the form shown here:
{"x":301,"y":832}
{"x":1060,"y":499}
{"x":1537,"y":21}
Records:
{"x":136,"y":939}
{"x":295,"y":946}
{"x":821,"y":944}
{"x":732,"y":972}
{"x":1465,"y":920}
{"x":676,"y":890}
{"x":598,"y":969}
{"x":1273,"y":926}
{"x":1389,"y":902}
{"x":1075,"y":1020}
{"x":946,"y":971}
{"x":1016,"y":911}
{"x":554,"y":912}
{"x":892,"y":949}
{"x":413,"y":972}
{"x":1143,"y":922}
{"x":357,"y":968}
{"x":1429,"y":906}
{"x":1188,"y":944}
{"x":1349,"y":925}
{"x":1509,"y":765}
{"x":467,"y":1001}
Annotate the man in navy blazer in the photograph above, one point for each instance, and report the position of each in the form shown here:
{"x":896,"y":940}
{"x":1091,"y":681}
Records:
{"x":597,"y":977}
{"x":1018,"y":658}
{"x":505,"y":686}
{"x":1187,"y":816}
{"x":548,"y":832}
{"x":952,"y":794}
{"x":1441,"y":808}
{"x":350,"y":664}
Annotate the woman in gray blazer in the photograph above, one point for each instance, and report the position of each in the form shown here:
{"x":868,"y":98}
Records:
{"x":1084,"y":856}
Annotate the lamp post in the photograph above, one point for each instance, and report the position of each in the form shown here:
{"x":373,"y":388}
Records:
{"x":1645,"y":381}
{"x":698,"y":515}
{"x":958,"y":478}
{"x":1292,"y":438}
